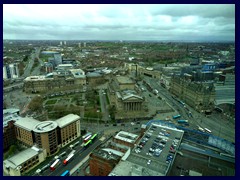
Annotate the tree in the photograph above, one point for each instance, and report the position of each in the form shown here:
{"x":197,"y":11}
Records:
{"x":4,"y":105}
{"x":12,"y":150}
{"x":25,"y":58}
{"x":36,"y":103}
{"x":6,"y":155}
{"x":112,"y":111}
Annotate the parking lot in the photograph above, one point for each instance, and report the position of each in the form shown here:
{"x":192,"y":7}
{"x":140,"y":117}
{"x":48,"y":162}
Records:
{"x":157,"y":148}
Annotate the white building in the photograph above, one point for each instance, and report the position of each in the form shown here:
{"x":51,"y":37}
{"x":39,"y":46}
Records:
{"x":23,"y":161}
{"x":10,"y":71}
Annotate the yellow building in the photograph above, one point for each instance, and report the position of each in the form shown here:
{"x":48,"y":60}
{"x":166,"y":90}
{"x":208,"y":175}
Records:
{"x":49,"y":135}
{"x":23,"y":130}
{"x":69,"y":128}
{"x":46,"y":136}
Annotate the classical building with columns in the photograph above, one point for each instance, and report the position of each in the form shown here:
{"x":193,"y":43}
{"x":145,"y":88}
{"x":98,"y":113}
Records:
{"x":128,"y":101}
{"x":123,"y":96}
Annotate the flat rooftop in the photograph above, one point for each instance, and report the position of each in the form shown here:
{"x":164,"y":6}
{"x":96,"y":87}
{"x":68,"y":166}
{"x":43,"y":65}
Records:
{"x":27,"y":123}
{"x":21,"y":157}
{"x":126,"y":168}
{"x":126,"y":136}
{"x":78,"y":73}
{"x":124,"y":80}
{"x":157,"y":139}
{"x":45,"y":126}
{"x":37,"y":78}
{"x":68,"y":119}
{"x":9,"y":115}
{"x":107,"y":154}
{"x":202,"y":164}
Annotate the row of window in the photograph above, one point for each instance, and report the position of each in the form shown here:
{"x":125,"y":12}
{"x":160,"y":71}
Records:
{"x":30,"y":163}
{"x":69,"y":139}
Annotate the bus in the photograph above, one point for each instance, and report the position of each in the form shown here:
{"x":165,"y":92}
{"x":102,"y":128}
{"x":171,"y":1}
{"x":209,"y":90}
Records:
{"x":94,"y":137}
{"x":54,"y":165}
{"x":66,"y":161}
{"x":177,"y":116}
{"x":207,"y":130}
{"x":86,"y":135}
{"x":85,"y":145}
{"x":182,"y":103}
{"x":87,"y":138}
{"x":66,"y":173}
{"x":201,"y":129}
{"x":183,"y":121}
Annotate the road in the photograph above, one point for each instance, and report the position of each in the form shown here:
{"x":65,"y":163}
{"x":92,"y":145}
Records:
{"x":11,"y":87}
{"x":80,"y":154}
{"x":218,"y":126}
{"x":104,"y":105}
{"x":35,"y":54}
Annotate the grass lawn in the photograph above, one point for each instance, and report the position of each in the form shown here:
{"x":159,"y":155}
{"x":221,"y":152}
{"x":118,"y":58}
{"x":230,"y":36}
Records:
{"x":52,"y":101}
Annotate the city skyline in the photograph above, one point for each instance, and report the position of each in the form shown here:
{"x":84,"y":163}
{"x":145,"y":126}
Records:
{"x":158,"y":22}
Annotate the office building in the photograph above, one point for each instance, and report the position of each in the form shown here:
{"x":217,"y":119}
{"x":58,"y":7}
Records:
{"x":10,"y":116}
{"x":103,"y":161}
{"x":49,"y":135}
{"x":199,"y":95}
{"x":74,"y":79}
{"x":68,"y":129}
{"x":24,"y":161}
{"x":45,"y":134}
{"x":10,"y":71}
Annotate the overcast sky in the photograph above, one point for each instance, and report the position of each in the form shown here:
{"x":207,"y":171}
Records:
{"x":214,"y":22}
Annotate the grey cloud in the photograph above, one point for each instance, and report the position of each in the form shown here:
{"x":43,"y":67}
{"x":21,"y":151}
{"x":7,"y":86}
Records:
{"x":143,"y":23}
{"x":207,"y":11}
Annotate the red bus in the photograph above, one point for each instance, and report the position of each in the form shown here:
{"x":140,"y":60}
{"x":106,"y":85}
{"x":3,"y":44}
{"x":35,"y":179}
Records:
{"x":54,"y":165}
{"x":87,"y":138}
{"x":68,"y":159}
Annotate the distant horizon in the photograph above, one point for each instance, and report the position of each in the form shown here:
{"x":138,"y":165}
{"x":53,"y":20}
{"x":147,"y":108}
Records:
{"x":119,"y":40}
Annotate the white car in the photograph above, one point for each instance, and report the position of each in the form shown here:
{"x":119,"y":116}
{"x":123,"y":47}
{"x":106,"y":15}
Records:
{"x":149,"y":161}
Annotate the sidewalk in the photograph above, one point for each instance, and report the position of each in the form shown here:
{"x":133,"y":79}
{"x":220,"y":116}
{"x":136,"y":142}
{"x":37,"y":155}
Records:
{"x":79,"y":165}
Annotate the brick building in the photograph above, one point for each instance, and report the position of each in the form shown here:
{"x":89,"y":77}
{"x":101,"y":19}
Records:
{"x":9,"y":137}
{"x":103,"y":161}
